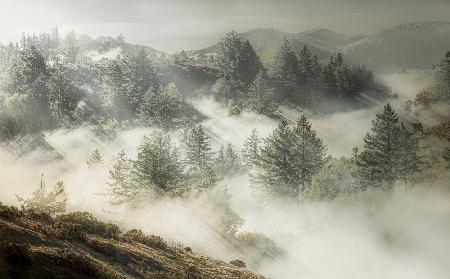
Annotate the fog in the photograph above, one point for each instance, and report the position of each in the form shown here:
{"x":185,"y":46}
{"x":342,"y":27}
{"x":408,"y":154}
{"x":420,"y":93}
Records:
{"x":175,"y":25}
{"x":400,"y":234}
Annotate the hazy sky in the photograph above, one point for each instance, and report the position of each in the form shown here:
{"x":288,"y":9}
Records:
{"x":186,"y":24}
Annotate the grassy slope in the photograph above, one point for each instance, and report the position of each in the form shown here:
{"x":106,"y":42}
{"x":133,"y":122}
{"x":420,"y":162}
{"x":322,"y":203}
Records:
{"x":37,"y":247}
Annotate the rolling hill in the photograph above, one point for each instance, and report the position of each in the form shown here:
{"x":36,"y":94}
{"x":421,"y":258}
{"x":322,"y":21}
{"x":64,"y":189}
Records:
{"x":77,"y":245}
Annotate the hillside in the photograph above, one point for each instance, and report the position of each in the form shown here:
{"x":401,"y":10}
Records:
{"x":77,"y":245}
{"x":414,"y":45}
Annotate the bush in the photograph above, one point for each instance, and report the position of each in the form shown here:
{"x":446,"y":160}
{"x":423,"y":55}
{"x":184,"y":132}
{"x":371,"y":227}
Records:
{"x":149,"y":240}
{"x":238,"y":263}
{"x":66,"y":230}
{"x":9,"y":212}
{"x":89,"y":224}
{"x":102,"y":247}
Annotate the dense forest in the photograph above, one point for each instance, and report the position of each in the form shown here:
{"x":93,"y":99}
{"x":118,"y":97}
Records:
{"x":51,"y":82}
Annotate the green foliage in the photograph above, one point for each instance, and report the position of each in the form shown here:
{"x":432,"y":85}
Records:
{"x":377,"y":162}
{"x":234,"y":110}
{"x":149,"y":240}
{"x":251,"y":150}
{"x":238,"y":64}
{"x":260,"y":98}
{"x":120,"y":178}
{"x":227,"y":161}
{"x":52,"y":202}
{"x":130,"y":79}
{"x":88,"y":224}
{"x":198,"y":149}
{"x":162,"y":107}
{"x":9,"y":212}
{"x":289,"y":158}
{"x":157,"y":167}
{"x":95,"y":159}
{"x":333,"y":179}
{"x":284,"y":70}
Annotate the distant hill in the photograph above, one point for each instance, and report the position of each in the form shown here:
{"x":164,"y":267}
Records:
{"x":79,"y":246}
{"x":414,"y":45}
{"x":265,"y":41}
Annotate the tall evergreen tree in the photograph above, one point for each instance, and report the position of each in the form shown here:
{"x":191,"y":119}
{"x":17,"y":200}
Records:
{"x":377,"y":163}
{"x":157,"y":167}
{"x":409,"y":163}
{"x":198,"y":149}
{"x":251,"y":150}
{"x":162,"y":107}
{"x":120,"y":179}
{"x":289,"y":158}
{"x":260,"y":97}
{"x":284,"y":69}
{"x":443,"y":76}
{"x":131,"y":78}
{"x":238,"y":64}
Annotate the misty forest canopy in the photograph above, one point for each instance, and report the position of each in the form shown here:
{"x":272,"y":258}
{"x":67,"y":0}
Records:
{"x":49,"y":82}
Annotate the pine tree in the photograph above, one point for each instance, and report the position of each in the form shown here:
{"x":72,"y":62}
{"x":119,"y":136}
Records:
{"x":284,"y":69}
{"x":309,"y":149}
{"x":162,"y":108}
{"x":131,"y":78}
{"x":443,"y":76}
{"x":260,"y":97}
{"x":198,"y":149}
{"x":251,"y":150}
{"x":377,"y":163}
{"x":227,"y":161}
{"x":157,"y":167}
{"x":409,"y":164}
{"x":238,"y":64}
{"x":305,"y":65}
{"x":95,"y":159}
{"x":120,"y":179}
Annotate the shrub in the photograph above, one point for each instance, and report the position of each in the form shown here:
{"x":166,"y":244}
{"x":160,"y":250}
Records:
{"x":52,"y":202}
{"x":149,"y":240}
{"x":238,"y":263}
{"x":9,"y":212}
{"x":102,"y":247}
{"x":67,"y":230}
{"x":89,"y":224}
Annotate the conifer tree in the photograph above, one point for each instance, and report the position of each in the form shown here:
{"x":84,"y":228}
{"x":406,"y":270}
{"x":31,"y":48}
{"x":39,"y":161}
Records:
{"x":409,"y":163}
{"x":443,"y":76}
{"x":227,"y":161}
{"x":157,"y":167}
{"x":309,"y":149}
{"x":198,"y":149}
{"x":289,"y":158}
{"x":162,"y":107}
{"x":120,"y":179}
{"x":260,"y":97}
{"x":95,"y":159}
{"x":377,"y":163}
{"x":284,"y":69}
{"x":251,"y":150}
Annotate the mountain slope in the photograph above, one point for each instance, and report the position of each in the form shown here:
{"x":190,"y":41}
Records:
{"x":414,"y":45}
{"x":78,"y":246}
